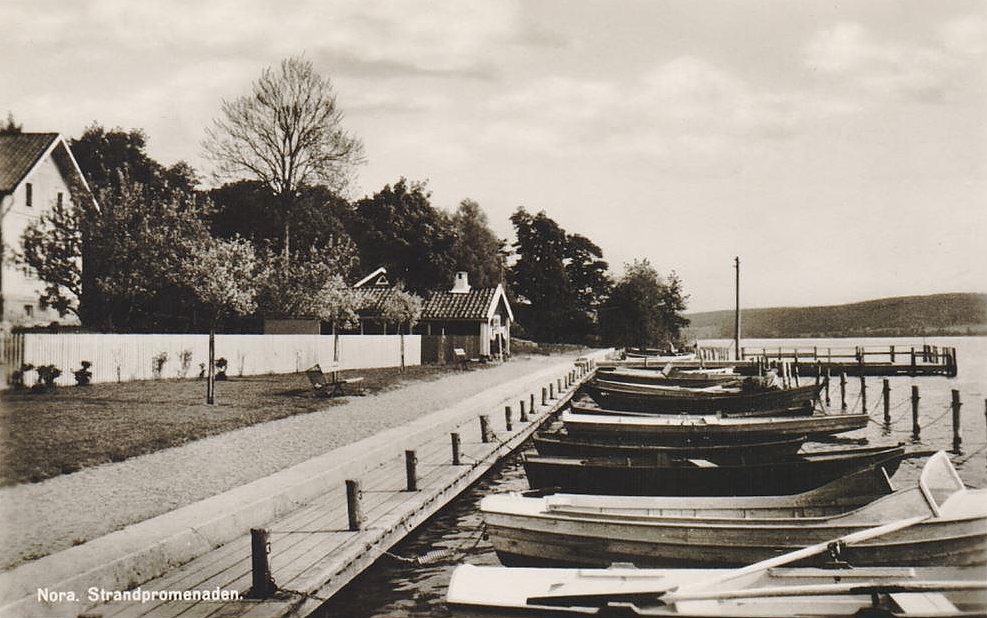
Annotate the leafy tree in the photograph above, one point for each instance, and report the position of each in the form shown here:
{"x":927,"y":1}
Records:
{"x":287,"y":133}
{"x":11,"y":127}
{"x":590,"y":282}
{"x":643,"y":309}
{"x":112,"y":158}
{"x":305,"y":286}
{"x":51,"y":250}
{"x":402,"y":308}
{"x":222,"y":274}
{"x":539,"y":276}
{"x":477,"y":249}
{"x":399,"y":229}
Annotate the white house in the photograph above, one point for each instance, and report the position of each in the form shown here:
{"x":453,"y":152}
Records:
{"x":36,"y":171}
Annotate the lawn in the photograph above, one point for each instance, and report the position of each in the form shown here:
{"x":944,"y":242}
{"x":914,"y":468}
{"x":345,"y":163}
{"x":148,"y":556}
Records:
{"x":69,"y":428}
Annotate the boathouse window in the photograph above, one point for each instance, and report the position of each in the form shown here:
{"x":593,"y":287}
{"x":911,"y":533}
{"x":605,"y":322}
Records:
{"x":29,"y":194}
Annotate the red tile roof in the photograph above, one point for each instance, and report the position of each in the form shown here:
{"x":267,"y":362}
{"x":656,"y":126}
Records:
{"x":472,"y":305}
{"x":18,"y":154}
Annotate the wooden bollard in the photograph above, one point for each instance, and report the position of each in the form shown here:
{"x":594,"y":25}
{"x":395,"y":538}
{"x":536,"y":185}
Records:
{"x":796,"y":368}
{"x":456,"y":461}
{"x":913,"y":362}
{"x":843,"y":390}
{"x":523,"y":414}
{"x":559,"y":382}
{"x":507,"y":418}
{"x":484,"y":428}
{"x":262,"y":584}
{"x":892,"y":355}
{"x":957,"y":440}
{"x":354,"y":508}
{"x":818,"y":372}
{"x":863,"y":393}
{"x":544,"y":396}
{"x":829,"y":374}
{"x":886,"y":392}
{"x":532,"y":403}
{"x":551,"y":391}
{"x":410,"y":469}
{"x":915,"y":426}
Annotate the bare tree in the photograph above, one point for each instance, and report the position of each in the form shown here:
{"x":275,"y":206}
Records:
{"x":286,"y":133}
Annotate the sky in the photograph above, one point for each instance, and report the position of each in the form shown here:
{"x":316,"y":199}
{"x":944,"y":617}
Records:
{"x":838,"y":148}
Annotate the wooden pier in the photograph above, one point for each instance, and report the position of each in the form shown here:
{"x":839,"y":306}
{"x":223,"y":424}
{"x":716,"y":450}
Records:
{"x":889,"y":360}
{"x":294,"y":564}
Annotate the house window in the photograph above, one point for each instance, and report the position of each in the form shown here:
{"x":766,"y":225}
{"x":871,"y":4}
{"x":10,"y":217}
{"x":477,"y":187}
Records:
{"x":29,"y":194}
{"x":58,"y":199}
{"x":29,"y":310}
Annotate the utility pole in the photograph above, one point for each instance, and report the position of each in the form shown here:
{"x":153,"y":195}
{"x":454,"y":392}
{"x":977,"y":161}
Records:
{"x":736,"y":315}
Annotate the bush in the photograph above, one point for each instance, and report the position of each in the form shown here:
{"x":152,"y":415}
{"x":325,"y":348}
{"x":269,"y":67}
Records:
{"x":221,"y":368}
{"x":17,"y":377}
{"x":83,"y":376}
{"x":47,"y":374}
{"x":157,"y":364}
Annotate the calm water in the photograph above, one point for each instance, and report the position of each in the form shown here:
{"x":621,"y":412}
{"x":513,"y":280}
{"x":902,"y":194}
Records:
{"x":398,"y":588}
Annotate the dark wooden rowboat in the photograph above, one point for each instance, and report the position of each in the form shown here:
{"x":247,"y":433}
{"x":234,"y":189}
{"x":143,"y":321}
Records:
{"x":585,"y":406}
{"x":561,"y":444}
{"x":708,"y":429}
{"x":653,"y":398}
{"x":629,"y":476}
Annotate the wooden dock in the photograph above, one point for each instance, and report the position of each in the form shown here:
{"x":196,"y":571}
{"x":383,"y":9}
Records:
{"x":312,"y":552}
{"x":889,"y":360}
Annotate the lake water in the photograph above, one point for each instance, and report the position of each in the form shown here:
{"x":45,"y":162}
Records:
{"x":398,"y":588}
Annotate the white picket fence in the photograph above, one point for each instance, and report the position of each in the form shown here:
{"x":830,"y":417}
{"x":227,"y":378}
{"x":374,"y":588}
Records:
{"x":122,"y":358}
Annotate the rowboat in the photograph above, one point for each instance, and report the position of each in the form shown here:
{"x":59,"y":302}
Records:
{"x":708,"y":429}
{"x":658,"y":398}
{"x":485,"y":591}
{"x":560,"y":443}
{"x":597,"y":531}
{"x":585,"y":406}
{"x":672,"y":378}
{"x":664,"y":476}
{"x":655,"y":356}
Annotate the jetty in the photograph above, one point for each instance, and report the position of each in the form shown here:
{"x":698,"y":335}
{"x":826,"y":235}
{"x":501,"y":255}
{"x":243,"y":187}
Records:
{"x":285,"y":544}
{"x":925,"y":360}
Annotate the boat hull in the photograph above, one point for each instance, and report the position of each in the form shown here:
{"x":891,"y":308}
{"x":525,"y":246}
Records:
{"x":559,"y":444}
{"x":650,"y":398}
{"x":641,"y":477}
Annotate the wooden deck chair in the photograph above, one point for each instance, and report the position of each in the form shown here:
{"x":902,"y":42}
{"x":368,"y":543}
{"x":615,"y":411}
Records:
{"x":330,"y":387}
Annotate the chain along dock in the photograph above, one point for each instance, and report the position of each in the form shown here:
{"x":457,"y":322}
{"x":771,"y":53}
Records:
{"x":926,"y":360}
{"x":293,"y":564}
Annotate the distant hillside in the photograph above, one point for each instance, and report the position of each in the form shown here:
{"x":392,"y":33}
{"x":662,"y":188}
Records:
{"x":903,"y":316}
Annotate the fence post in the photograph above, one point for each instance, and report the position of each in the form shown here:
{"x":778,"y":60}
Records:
{"x":211,"y":375}
{"x":410,"y":463}
{"x":354,"y":510}
{"x":957,"y":440}
{"x":507,"y":418}
{"x":484,"y":428}
{"x":455,"y":449}
{"x":843,"y":390}
{"x":524,"y":415}
{"x":886,"y":391}
{"x":262,"y":584}
{"x":915,"y":426}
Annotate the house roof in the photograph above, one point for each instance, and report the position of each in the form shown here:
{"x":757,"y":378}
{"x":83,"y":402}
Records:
{"x":377,"y":278}
{"x":476,"y":304}
{"x":372,"y":300}
{"x":18,"y":155}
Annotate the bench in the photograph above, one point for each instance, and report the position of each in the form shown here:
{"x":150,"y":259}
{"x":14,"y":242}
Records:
{"x":326,"y":386}
{"x":459,"y":354}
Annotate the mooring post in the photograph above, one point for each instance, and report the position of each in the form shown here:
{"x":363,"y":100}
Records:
{"x":551,"y":391}
{"x":262,"y":584}
{"x":843,"y":390}
{"x":523,"y":415}
{"x":912,"y":371}
{"x":544,"y":396}
{"x":957,"y":440}
{"x":915,"y":426}
{"x":818,"y":372}
{"x":455,"y":449}
{"x":828,"y":376}
{"x":410,"y":464}
{"x":886,"y":392}
{"x":863,"y":393}
{"x":507,"y":418}
{"x":796,"y":371}
{"x":892,"y":355}
{"x":559,"y":382}
{"x":354,"y":510}
{"x":532,"y":403}
{"x":484,"y":428}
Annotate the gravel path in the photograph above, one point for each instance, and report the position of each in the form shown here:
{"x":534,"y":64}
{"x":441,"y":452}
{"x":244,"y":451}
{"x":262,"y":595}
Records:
{"x":42,"y":518}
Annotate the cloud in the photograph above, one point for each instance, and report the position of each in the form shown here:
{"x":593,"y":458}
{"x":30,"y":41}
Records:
{"x":851,"y":56}
{"x":683,"y":105}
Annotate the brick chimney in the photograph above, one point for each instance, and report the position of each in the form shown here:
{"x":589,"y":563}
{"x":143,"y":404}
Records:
{"x":461,"y":284}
